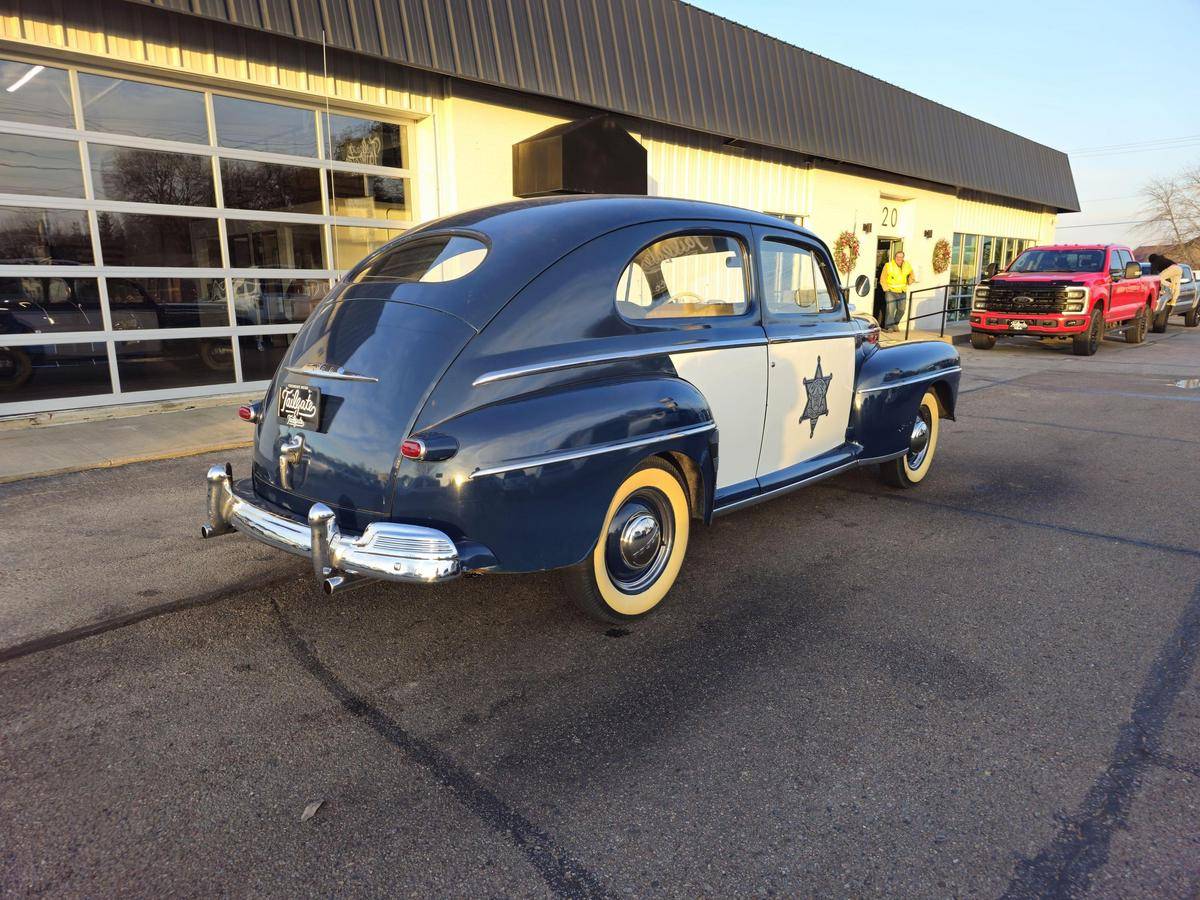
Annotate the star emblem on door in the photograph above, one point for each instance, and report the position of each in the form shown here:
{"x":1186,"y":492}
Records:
{"x":817,"y":388}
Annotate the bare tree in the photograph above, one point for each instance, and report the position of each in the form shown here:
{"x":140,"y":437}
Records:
{"x":1172,"y":214}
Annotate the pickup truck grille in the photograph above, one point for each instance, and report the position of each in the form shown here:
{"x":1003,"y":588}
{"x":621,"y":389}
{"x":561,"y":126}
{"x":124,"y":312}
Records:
{"x":1026,"y":298}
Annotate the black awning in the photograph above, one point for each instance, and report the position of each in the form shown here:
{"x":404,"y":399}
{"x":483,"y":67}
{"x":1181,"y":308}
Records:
{"x":589,"y":156}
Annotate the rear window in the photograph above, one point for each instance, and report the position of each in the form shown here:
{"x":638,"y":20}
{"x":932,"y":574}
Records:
{"x":685,"y":276}
{"x":428,"y":260}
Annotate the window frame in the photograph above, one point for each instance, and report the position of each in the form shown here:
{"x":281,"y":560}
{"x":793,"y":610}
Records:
{"x":109,"y":390}
{"x":821,"y":264}
{"x":749,"y":278}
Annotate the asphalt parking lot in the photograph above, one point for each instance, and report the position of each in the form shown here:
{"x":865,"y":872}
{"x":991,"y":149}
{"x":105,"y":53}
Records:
{"x":986,"y":686}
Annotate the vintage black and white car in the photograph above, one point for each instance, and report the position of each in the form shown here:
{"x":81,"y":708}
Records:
{"x":573,"y":383}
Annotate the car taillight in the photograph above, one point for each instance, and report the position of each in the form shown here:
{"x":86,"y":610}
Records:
{"x":252,"y":412}
{"x":413,"y":449}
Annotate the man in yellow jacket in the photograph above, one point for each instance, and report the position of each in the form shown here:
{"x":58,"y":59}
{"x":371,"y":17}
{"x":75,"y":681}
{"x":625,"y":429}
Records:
{"x":895,"y":278}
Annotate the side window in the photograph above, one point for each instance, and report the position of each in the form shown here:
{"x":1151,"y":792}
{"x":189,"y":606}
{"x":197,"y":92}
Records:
{"x":795,"y":281}
{"x":1126,"y":258}
{"x":1114,"y":262}
{"x":685,"y":276}
{"x":1187,"y":275}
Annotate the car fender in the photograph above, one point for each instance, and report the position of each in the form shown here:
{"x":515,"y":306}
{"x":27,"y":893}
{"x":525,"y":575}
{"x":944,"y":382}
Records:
{"x":891,"y":382}
{"x":532,"y":476}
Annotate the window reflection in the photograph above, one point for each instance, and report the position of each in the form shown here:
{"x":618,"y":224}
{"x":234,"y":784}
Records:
{"x":368,"y":196}
{"x":151,"y":176}
{"x":145,"y":110}
{"x":133,"y":239}
{"x":31,"y":305}
{"x":262,"y":354}
{"x":255,"y":185}
{"x":365,"y":141}
{"x":50,"y":371}
{"x":151,"y":365}
{"x":167,"y":302}
{"x":34,"y":165}
{"x":253,"y":125}
{"x":44,"y":236}
{"x":275,"y":245}
{"x":37,"y":94}
{"x":272,"y":301}
{"x":351,"y":243}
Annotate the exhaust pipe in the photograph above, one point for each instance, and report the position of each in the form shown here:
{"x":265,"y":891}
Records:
{"x":342,"y":581}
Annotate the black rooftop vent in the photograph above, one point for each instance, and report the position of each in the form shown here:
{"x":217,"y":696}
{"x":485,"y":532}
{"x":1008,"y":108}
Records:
{"x":589,"y":156}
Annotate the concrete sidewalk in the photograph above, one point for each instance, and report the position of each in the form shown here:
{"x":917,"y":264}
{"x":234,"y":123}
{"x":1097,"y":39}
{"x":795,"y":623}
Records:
{"x":39,"y":450}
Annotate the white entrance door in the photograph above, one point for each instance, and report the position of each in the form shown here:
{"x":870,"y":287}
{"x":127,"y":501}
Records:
{"x":811,"y":358}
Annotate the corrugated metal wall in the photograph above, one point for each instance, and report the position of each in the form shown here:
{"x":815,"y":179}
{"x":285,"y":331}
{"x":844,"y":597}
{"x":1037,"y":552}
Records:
{"x":668,"y":62}
{"x":143,"y":35}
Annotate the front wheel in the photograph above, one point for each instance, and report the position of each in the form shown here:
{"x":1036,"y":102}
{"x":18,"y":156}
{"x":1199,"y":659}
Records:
{"x":911,"y":469}
{"x":1191,"y":318}
{"x":982,"y":341}
{"x":640,"y":548}
{"x":1088,"y":343}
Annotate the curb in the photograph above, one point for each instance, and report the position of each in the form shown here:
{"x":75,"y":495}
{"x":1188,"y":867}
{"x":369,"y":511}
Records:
{"x":127,"y":461}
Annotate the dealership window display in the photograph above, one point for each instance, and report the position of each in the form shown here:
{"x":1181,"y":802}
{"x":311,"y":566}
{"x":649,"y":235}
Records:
{"x":168,"y":240}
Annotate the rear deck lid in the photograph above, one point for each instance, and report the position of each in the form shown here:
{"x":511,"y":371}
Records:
{"x":349,"y":390}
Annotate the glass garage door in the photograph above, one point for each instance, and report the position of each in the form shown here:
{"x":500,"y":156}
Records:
{"x":161,"y":241}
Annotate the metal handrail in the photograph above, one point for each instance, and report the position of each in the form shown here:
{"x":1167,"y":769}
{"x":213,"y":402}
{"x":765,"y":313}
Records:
{"x":963,"y":286}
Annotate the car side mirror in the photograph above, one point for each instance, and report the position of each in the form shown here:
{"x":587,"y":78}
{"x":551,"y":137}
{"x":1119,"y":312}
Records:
{"x":1133,"y":270}
{"x":862,"y":285}
{"x":990,"y":270}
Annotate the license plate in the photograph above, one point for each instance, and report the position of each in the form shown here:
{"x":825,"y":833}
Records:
{"x":1018,"y":325}
{"x":300,"y":405}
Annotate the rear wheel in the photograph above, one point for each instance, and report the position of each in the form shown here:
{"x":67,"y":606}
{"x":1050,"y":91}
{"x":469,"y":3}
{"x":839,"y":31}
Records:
{"x":640,"y":548}
{"x":1088,"y":343}
{"x":1191,"y":318}
{"x":911,"y":469}
{"x":981,"y":341}
{"x":1136,"y":332}
{"x":15,"y":368}
{"x":1159,"y":325}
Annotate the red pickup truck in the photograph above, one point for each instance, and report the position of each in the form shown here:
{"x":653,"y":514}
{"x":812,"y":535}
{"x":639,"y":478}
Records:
{"x":1076,"y":291}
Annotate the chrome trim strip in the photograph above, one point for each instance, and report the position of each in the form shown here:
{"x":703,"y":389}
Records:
{"x":912,"y":379}
{"x":338,"y":374}
{"x":784,"y":489}
{"x":530,"y":462}
{"x":873,"y":460}
{"x":815,"y":336}
{"x":591,"y":359}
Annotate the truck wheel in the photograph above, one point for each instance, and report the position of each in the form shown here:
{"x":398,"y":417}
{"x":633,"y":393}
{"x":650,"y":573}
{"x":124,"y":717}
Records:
{"x":1088,"y":343}
{"x":640,"y":548}
{"x":1191,"y":318}
{"x":911,"y":469}
{"x":982,"y":341}
{"x":1159,"y":325}
{"x":1136,"y":332}
{"x":15,"y":368}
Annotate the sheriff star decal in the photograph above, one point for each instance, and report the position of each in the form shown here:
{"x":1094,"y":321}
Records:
{"x":816,"y":388}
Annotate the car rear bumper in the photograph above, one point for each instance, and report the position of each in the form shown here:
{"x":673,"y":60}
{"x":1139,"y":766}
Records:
{"x":386,"y":550}
{"x":1042,"y":324}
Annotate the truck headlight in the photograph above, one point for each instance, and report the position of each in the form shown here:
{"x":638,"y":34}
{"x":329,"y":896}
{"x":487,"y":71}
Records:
{"x":1075,"y":299}
{"x":980,"y":297}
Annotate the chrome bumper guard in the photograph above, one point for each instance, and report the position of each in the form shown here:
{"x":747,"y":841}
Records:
{"x":386,"y":550}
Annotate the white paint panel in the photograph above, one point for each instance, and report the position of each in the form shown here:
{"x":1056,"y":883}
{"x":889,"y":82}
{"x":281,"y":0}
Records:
{"x":788,"y":440}
{"x":734,"y":382}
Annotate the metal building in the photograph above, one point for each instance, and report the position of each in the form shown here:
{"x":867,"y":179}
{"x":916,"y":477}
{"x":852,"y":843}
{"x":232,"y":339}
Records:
{"x":181,"y":180}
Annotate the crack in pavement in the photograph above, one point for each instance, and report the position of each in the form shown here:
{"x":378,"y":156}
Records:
{"x":1001,"y":517}
{"x":563,"y":875}
{"x":61,"y":638}
{"x":1066,"y":865}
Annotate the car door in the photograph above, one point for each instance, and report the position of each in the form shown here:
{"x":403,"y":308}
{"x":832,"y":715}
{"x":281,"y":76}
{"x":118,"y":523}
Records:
{"x":1123,"y":294}
{"x":810,"y":349}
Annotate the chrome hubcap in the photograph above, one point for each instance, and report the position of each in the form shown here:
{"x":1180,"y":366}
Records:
{"x":918,"y":441}
{"x":637,"y":545}
{"x":639,"y":540}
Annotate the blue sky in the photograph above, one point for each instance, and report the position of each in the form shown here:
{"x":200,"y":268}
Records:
{"x":1072,"y":75}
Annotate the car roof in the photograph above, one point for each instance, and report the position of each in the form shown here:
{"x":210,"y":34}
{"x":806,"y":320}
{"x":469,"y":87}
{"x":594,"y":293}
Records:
{"x":528,"y":236}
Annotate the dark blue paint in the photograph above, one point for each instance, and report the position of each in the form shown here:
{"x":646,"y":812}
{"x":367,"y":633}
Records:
{"x":544,"y":293}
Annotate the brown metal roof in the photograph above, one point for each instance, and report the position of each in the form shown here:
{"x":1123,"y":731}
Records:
{"x":669,"y":62}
